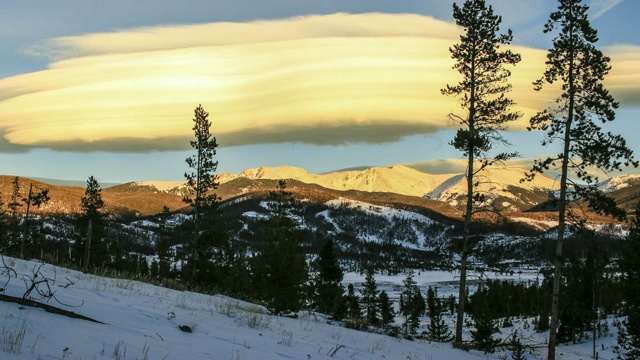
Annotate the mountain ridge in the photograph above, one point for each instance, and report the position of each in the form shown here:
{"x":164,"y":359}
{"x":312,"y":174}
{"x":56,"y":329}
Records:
{"x":503,"y":187}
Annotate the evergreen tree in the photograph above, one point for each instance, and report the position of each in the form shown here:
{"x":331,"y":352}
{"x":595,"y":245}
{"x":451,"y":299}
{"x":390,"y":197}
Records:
{"x":229,"y":270}
{"x":370,"y":298}
{"x":482,"y":336}
{"x":542,"y":323}
{"x":437,"y":329}
{"x":354,"y":311}
{"x":629,"y":332}
{"x":91,"y":223}
{"x":514,"y":343}
{"x":202,"y":181}
{"x":214,"y":255}
{"x":12,"y":239}
{"x":387,"y":313}
{"x":3,"y":228}
{"x":15,"y":204}
{"x":165,"y":257}
{"x":35,"y":198}
{"x":481,"y":92}
{"x":483,"y":312}
{"x":580,"y":67}
{"x":280,"y":269}
{"x":412,"y":304}
{"x":580,"y":300}
{"x":329,"y":291}
{"x":153,"y":269}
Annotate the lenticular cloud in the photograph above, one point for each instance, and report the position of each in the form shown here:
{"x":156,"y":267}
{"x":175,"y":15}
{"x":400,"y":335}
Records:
{"x":329,"y":79}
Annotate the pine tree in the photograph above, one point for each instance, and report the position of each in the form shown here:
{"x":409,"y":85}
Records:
{"x":412,"y":304}
{"x":629,"y":332}
{"x":280,"y":269}
{"x":201,"y":182}
{"x":482,"y":336}
{"x":580,"y":67}
{"x":12,"y":239}
{"x":3,"y":228}
{"x":437,"y":330}
{"x":354,"y":311}
{"x":387,"y":313}
{"x":514,"y":343}
{"x":37,"y":198}
{"x":329,"y":291}
{"x":481,"y":92}
{"x":370,"y":298}
{"x":92,"y":224}
{"x":14,"y":204}
{"x":542,"y":323}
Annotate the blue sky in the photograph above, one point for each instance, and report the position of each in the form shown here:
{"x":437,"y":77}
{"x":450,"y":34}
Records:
{"x":108,"y":88}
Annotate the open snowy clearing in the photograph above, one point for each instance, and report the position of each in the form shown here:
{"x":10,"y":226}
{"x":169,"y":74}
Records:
{"x":142,"y":321}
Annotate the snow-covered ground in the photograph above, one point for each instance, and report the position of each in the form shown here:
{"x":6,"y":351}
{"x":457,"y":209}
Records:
{"x":446,"y":282}
{"x":141,"y":321}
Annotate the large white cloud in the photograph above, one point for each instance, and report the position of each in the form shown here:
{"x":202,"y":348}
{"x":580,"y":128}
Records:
{"x":319,"y":79}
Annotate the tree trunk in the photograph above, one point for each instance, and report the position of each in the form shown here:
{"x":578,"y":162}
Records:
{"x":25,"y":232}
{"x":87,"y":249}
{"x":557,"y":274}
{"x":468,"y":210}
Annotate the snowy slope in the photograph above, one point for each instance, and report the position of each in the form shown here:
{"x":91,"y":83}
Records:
{"x":493,"y":182}
{"x":141,"y":321}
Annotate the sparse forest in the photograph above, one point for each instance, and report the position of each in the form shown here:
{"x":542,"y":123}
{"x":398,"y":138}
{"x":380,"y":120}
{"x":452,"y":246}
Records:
{"x":567,"y":266}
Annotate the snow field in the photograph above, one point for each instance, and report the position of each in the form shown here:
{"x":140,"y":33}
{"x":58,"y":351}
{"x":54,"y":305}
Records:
{"x":141,"y":321}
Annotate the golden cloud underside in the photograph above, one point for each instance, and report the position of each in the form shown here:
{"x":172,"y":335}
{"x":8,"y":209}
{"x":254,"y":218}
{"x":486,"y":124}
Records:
{"x":324,"y":80}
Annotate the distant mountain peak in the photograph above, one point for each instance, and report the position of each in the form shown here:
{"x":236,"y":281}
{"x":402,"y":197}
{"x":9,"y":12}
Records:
{"x":162,"y":185}
{"x":618,"y":182}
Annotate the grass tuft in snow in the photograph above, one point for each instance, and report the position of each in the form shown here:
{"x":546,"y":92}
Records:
{"x":120,"y":350}
{"x":287,"y":338}
{"x":13,"y":337}
{"x":244,"y":314}
{"x":254,"y":320}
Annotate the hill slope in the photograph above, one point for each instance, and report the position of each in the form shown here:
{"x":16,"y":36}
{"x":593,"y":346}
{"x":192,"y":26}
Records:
{"x":142,"y":321}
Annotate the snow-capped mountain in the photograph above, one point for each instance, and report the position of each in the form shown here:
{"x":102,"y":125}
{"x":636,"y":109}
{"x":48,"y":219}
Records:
{"x":503,"y":187}
{"x":501,"y":184}
{"x":619,"y":182}
{"x":398,"y":179}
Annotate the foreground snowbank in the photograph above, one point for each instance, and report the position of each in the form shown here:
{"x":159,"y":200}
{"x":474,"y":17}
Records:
{"x":143,"y":321}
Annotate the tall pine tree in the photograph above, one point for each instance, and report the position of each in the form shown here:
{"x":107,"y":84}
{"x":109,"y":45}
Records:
{"x":574,"y":121}
{"x":629,"y":332}
{"x":14,"y":204}
{"x":92,"y":224}
{"x":387,"y":313}
{"x":13,"y":225}
{"x":328,"y":290}
{"x":354,"y":310}
{"x":481,"y":94}
{"x":201,"y":182}
{"x":37,"y":198}
{"x":370,"y":298}
{"x":437,"y":329}
{"x":412,"y":304}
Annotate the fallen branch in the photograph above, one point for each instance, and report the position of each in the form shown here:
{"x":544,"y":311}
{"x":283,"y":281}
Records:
{"x":46,"y":307}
